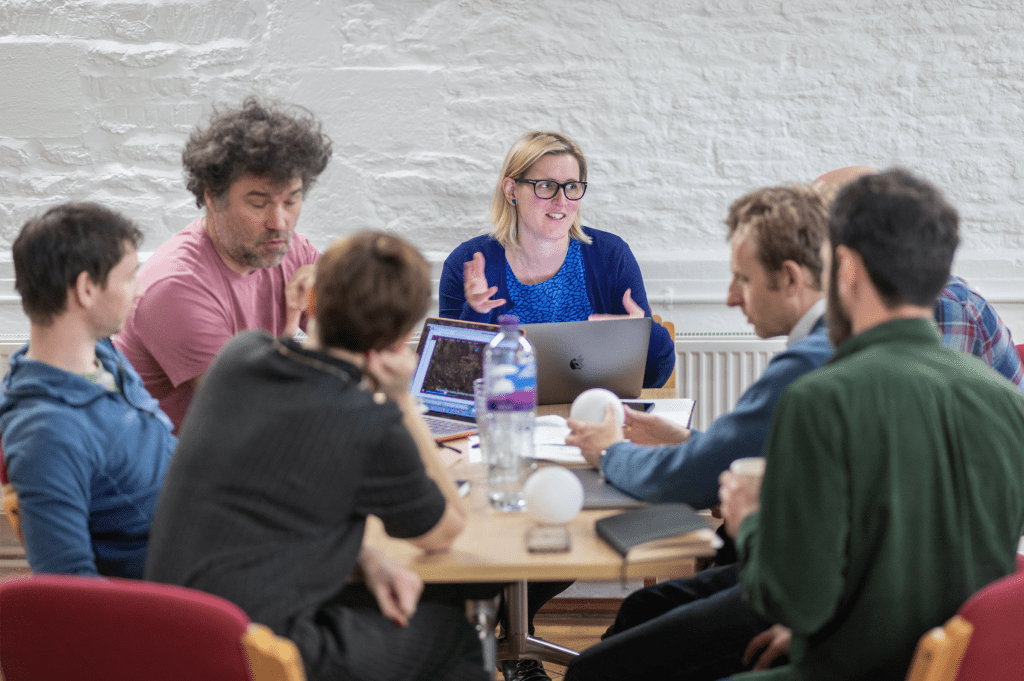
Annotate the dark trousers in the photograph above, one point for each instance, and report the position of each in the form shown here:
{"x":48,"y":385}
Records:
{"x":351,"y":639}
{"x":694,"y":628}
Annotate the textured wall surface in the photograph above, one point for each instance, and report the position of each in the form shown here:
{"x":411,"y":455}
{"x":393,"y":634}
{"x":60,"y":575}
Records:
{"x":681,"y":106}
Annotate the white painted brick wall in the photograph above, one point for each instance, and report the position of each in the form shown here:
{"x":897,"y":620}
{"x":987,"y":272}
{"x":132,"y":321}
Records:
{"x":680,"y":106}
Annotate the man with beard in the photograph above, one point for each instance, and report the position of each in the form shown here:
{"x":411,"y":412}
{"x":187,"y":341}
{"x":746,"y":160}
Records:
{"x":240,"y":266}
{"x":894,"y":486}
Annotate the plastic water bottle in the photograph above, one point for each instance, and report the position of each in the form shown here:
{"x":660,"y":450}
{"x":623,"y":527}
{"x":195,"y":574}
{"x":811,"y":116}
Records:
{"x":510,"y":374}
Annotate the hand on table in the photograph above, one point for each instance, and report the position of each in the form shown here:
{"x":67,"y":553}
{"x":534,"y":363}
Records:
{"x":740,"y":496}
{"x":632,"y":309}
{"x":591,"y":438}
{"x":771,"y":643}
{"x":296,"y":296}
{"x":396,"y":588}
{"x":478,"y":294}
{"x":647,"y":429}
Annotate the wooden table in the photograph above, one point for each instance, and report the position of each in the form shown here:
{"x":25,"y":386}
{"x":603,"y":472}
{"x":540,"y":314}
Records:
{"x":492,"y":548}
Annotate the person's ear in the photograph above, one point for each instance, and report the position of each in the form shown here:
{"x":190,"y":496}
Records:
{"x":846,"y":270}
{"x":209,"y":200}
{"x":84,"y":290}
{"x":508,"y":187}
{"x":792,"y":277}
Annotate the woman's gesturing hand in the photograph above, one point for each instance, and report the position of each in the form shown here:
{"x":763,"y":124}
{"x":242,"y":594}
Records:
{"x":478,"y":294}
{"x":632,"y":309}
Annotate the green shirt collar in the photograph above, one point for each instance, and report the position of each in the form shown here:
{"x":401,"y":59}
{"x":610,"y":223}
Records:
{"x":915,"y":331}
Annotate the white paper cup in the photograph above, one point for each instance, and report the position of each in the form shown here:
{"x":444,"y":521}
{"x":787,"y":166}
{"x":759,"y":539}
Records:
{"x":750,"y":467}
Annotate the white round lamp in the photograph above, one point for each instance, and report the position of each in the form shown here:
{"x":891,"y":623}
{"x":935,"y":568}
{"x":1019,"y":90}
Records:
{"x":554,"y":495}
{"x":589,"y":406}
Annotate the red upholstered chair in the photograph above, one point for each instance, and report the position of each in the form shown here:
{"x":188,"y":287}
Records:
{"x":983,"y":641}
{"x":85,"y":629}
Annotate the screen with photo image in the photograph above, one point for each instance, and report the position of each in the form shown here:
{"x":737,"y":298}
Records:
{"x":454,"y":364}
{"x":451,"y":357}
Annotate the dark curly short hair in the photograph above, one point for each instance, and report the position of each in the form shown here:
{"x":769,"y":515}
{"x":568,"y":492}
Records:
{"x":904,"y":230}
{"x":258,"y":138}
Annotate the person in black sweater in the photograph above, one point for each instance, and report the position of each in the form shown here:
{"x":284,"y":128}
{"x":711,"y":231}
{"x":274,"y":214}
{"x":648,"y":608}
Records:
{"x":287,"y":448}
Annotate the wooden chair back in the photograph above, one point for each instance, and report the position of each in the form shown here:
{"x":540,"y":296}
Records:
{"x":982,"y":641}
{"x":671,"y":328}
{"x":9,"y":500}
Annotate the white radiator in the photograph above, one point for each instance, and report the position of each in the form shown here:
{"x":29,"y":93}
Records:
{"x":8,"y":345}
{"x":715,"y":370}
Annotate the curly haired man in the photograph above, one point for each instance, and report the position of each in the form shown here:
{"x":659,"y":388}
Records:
{"x":241,"y":265}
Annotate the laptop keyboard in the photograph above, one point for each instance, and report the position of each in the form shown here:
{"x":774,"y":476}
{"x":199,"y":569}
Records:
{"x":445,"y":426}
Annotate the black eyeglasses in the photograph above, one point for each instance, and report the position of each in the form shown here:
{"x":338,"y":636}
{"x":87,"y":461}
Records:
{"x":546,"y":189}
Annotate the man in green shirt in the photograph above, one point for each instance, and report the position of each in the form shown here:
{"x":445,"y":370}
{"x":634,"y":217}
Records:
{"x":895,"y":488}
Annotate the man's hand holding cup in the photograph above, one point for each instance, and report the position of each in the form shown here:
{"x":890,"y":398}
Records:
{"x":740,"y":491}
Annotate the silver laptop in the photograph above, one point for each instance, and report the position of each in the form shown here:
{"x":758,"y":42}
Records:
{"x":451,"y":358}
{"x":575,"y":356}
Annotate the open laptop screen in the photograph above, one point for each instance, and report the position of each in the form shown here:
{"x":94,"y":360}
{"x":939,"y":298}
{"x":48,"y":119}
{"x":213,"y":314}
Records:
{"x":451,"y":358}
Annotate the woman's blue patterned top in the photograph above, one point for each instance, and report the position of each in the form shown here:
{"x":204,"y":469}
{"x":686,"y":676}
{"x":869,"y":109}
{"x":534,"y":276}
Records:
{"x":562,"y":298}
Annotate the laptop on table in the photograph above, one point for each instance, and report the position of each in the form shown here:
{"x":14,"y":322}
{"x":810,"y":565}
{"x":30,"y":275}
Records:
{"x":575,"y":356}
{"x":451,"y":354}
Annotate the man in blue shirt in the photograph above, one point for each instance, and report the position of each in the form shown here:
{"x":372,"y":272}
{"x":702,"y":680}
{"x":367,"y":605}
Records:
{"x":775,"y":236}
{"x":86,"y":445}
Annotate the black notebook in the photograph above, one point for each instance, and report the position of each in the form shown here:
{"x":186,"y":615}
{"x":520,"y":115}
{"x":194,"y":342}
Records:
{"x":632,"y":528}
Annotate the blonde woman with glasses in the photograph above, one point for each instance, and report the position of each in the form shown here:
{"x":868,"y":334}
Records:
{"x":539,"y":262}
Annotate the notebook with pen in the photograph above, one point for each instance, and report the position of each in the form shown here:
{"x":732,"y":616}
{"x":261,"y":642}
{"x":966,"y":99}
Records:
{"x":451,"y":355}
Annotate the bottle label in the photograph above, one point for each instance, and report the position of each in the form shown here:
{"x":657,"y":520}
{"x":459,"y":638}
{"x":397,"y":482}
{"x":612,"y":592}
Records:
{"x":513,"y":388}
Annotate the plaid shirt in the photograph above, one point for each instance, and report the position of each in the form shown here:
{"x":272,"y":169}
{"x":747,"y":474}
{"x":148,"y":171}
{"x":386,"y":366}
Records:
{"x":967,"y":323}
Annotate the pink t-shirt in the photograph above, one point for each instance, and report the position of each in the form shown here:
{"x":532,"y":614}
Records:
{"x":191,"y":304}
